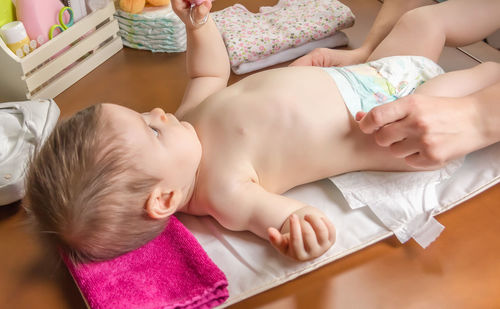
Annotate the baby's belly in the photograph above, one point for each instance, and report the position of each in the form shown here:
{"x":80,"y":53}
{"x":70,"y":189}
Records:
{"x":301,"y":82}
{"x":293,"y":96}
{"x":295,"y":126}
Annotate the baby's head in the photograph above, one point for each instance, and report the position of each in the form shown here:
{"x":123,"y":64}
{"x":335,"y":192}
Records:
{"x":107,"y":179}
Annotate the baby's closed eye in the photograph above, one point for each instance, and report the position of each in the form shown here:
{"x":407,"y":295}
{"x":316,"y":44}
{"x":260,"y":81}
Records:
{"x":156,"y":132}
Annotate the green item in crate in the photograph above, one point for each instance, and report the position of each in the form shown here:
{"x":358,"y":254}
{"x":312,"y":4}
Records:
{"x":7,"y":12}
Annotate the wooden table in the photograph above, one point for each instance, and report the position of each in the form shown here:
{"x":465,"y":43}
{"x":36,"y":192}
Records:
{"x":459,"y":270}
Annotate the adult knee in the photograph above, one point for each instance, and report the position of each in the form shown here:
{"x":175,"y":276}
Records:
{"x":422,"y":19}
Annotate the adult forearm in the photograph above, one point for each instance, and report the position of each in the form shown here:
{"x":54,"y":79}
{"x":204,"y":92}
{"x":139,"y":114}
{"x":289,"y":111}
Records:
{"x":487,"y":101}
{"x":387,"y":17}
{"x":206,"y":54}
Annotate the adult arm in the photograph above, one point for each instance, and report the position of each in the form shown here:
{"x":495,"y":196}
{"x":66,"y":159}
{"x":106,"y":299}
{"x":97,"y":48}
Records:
{"x":387,"y":17}
{"x":207,"y":63}
{"x":430,"y":131}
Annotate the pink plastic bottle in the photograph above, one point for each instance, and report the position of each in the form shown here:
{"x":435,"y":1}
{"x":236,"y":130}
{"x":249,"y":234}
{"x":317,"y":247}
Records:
{"x":38,"y":16}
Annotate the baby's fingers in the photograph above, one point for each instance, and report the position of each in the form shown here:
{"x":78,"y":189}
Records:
{"x":277,"y":240}
{"x":201,"y":12}
{"x":320,"y":229}
{"x":311,"y":245}
{"x":332,"y":236}
{"x":296,"y":241}
{"x":180,"y":5}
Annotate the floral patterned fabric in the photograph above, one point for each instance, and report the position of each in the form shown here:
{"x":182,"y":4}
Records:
{"x":253,"y":36}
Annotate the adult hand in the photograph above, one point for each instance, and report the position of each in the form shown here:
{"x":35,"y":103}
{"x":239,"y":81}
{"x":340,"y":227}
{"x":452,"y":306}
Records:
{"x":426,"y":131}
{"x":306,"y":239}
{"x":325,"y":57}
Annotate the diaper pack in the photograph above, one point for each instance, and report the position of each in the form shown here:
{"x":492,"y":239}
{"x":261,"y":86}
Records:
{"x":157,"y":29}
{"x":23,"y":127}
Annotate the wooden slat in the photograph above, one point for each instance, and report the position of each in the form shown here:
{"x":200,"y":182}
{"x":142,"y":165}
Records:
{"x":73,"y":53}
{"x":78,"y":71}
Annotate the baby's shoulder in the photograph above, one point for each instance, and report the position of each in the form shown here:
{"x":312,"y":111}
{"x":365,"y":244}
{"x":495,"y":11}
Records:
{"x":218,"y":190}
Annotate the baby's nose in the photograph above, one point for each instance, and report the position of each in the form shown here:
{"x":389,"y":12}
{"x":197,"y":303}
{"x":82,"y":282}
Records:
{"x":158,"y":112}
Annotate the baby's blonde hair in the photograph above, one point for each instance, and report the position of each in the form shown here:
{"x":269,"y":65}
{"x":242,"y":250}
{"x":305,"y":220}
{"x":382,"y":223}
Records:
{"x":84,"y":192}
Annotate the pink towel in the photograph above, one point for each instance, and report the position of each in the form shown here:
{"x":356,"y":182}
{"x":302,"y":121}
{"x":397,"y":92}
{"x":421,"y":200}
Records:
{"x":171,"y":271}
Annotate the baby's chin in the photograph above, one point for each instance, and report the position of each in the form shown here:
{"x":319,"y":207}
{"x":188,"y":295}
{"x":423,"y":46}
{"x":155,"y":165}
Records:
{"x":188,"y":126}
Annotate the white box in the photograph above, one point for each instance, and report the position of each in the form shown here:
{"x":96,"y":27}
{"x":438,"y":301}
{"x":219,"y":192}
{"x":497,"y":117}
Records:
{"x":59,"y":63}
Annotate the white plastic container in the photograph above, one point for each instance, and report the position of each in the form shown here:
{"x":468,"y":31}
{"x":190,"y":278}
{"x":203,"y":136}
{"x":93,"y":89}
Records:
{"x":59,"y":63}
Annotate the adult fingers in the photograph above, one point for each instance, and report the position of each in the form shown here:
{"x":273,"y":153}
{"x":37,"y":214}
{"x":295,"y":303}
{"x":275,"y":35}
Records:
{"x":418,"y":160}
{"x":360,"y":115}
{"x":404,"y":148}
{"x":303,"y":61}
{"x":320,"y":57}
{"x":422,"y":160}
{"x":391,"y":133}
{"x":384,"y":114}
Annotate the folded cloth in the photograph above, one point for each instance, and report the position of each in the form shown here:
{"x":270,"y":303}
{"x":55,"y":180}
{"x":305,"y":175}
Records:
{"x":157,"y":29}
{"x":335,"y":40}
{"x":23,"y":126}
{"x":289,"y":24}
{"x":171,"y":271}
{"x":405,"y":202}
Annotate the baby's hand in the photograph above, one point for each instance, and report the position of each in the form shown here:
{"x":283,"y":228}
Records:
{"x":307,"y":239}
{"x":192,"y":17}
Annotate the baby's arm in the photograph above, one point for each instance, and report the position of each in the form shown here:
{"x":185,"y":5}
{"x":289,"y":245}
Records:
{"x":295,"y":229}
{"x":207,"y":63}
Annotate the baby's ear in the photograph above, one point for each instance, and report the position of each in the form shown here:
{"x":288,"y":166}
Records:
{"x":162,"y":204}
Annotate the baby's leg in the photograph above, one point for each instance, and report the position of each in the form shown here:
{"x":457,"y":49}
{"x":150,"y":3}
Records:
{"x":425,"y":30}
{"x":463,"y":82}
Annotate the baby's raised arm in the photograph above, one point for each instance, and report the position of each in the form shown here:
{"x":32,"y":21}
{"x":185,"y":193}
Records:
{"x":295,"y":229}
{"x":207,"y":63}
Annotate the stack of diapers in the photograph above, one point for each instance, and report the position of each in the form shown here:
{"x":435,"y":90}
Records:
{"x":289,"y":29}
{"x":157,"y":29}
{"x":171,"y":271}
{"x":23,"y":126}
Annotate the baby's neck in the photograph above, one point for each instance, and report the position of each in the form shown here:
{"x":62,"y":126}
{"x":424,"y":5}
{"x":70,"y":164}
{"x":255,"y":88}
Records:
{"x":190,"y":196}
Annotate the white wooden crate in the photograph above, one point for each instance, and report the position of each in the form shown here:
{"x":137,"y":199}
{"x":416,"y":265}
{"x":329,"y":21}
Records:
{"x":59,"y":63}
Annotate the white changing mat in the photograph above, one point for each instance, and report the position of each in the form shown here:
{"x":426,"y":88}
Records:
{"x":253,"y":266}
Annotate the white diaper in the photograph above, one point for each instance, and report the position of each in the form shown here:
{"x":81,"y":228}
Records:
{"x":405,"y":202}
{"x":364,"y":86}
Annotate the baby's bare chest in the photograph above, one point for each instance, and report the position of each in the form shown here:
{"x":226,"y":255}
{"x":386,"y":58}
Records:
{"x":271,"y":127}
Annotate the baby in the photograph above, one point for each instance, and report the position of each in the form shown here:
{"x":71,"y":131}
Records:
{"x":107,"y":179}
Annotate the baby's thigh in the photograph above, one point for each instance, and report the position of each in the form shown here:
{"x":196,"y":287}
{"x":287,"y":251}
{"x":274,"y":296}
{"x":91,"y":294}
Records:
{"x":463,"y":82}
{"x":373,"y":157}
